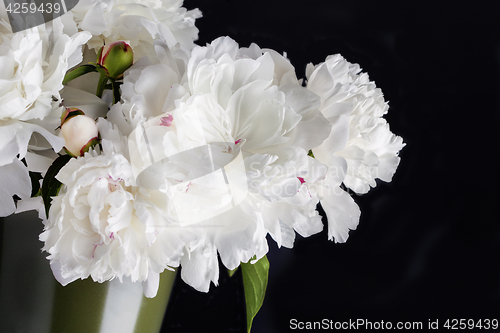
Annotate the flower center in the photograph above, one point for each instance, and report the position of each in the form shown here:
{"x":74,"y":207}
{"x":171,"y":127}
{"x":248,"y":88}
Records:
{"x":114,"y":184}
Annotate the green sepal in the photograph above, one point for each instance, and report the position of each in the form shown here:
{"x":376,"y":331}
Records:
{"x":70,"y":113}
{"x":101,"y":70}
{"x":50,"y":185}
{"x":311,"y":153}
{"x":92,"y":143}
{"x":79,"y":71}
{"x":255,"y":278}
{"x":69,"y":153}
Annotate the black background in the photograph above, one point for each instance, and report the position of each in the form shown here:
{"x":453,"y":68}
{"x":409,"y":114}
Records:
{"x":428,"y":243}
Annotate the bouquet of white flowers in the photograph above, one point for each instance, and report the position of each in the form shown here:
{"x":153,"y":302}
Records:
{"x":144,"y":152}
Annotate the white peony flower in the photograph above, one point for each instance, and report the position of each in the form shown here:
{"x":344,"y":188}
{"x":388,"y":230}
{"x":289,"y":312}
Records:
{"x":33,"y":63}
{"x":104,"y":226}
{"x":226,"y":144}
{"x":366,"y":143}
{"x":321,"y":182}
{"x":33,"y":66}
{"x":137,"y":22}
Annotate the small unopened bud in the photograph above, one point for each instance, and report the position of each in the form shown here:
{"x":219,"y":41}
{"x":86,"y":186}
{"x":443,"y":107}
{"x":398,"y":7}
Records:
{"x":115,"y":59}
{"x":79,"y":133}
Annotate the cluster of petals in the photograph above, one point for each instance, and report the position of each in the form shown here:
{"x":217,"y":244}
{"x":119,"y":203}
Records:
{"x":251,"y":97}
{"x":242,"y":110}
{"x":139,"y":23}
{"x":367,"y":145}
{"x":103,"y":225}
{"x":213,"y":157}
{"x":33,"y":63}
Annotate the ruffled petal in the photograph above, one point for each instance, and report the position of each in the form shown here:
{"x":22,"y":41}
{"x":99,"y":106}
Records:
{"x":200,"y":267}
{"x":342,"y":212}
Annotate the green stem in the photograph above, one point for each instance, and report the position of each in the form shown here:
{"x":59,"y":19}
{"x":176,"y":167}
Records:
{"x":116,"y":91}
{"x":79,"y":71}
{"x":101,"y":85}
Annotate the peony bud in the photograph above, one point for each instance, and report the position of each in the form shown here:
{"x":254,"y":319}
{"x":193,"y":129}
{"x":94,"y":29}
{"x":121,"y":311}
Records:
{"x":79,"y":133}
{"x":115,"y":59}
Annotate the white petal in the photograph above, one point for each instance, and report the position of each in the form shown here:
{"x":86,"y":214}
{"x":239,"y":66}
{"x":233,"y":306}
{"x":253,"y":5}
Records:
{"x":38,"y":162}
{"x":94,"y":21}
{"x":342,"y":213}
{"x":35,"y":203}
{"x":10,"y":148}
{"x":152,"y":284}
{"x":14,"y":180}
{"x":311,"y":131}
{"x":55,"y":266}
{"x":336,"y":141}
{"x":90,"y":104}
{"x":200,"y":267}
{"x":239,"y":242}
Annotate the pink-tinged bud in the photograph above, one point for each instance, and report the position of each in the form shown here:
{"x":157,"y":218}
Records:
{"x":70,"y":113}
{"x":115,"y":59}
{"x":79,"y":133}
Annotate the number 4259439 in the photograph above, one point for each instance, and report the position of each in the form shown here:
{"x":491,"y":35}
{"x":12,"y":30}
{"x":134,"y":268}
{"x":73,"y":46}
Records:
{"x":25,"y":8}
{"x":462,"y":324}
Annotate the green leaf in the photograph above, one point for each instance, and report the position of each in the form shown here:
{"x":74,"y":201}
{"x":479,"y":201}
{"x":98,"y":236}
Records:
{"x":232,"y":271}
{"x":254,"y":283}
{"x":79,"y":71}
{"x":50,"y":185}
